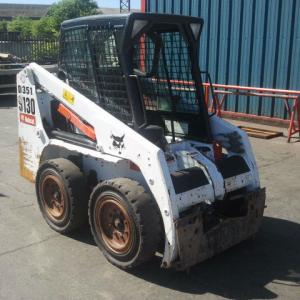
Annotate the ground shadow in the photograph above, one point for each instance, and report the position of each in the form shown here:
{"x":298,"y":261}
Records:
{"x":83,"y":235}
{"x":241,"y":272}
{"x":8,"y":101}
{"x":295,"y":139}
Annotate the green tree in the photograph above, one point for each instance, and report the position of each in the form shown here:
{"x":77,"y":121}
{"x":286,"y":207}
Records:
{"x":69,"y":9}
{"x":21,"y":24}
{"x":3,"y":25}
{"x":45,"y":28}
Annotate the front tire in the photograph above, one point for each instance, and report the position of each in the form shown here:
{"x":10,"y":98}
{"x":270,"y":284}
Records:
{"x":125,"y":222}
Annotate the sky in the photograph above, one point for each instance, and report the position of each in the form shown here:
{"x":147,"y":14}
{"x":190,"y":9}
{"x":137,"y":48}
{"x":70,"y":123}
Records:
{"x":103,"y":3}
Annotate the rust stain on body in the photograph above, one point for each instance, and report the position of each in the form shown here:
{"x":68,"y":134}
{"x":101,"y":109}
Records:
{"x":24,"y":171}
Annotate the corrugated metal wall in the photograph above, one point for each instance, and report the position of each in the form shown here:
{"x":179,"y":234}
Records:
{"x":246,"y":42}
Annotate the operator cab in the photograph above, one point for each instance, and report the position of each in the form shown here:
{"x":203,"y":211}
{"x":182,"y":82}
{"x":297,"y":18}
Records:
{"x":142,"y":68}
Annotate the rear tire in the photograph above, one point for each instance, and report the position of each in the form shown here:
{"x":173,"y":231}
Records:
{"x":62,"y":195}
{"x":125,"y":222}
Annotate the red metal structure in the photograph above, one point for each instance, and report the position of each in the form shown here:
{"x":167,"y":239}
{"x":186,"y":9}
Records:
{"x":287,"y":96}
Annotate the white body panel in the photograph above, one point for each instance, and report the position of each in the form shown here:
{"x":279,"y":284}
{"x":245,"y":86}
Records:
{"x":32,"y":137}
{"x":220,"y":129}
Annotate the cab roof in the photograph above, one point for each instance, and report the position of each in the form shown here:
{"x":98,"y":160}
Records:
{"x":121,"y":19}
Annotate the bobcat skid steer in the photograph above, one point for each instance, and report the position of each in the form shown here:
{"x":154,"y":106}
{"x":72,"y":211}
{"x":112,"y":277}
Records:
{"x":123,"y":137}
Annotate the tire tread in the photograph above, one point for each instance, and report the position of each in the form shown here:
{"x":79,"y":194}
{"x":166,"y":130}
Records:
{"x":75,"y":185}
{"x":146,"y":213}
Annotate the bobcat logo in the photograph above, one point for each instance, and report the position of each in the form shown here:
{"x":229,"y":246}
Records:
{"x":118,"y":142}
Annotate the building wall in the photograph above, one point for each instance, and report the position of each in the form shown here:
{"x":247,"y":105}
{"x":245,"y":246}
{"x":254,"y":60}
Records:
{"x":246,"y":42}
{"x":8,"y":11}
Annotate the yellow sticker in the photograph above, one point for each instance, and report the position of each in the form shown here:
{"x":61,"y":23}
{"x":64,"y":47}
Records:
{"x":68,"y":96}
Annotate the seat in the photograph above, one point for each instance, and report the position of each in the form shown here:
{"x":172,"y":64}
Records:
{"x":155,"y":134}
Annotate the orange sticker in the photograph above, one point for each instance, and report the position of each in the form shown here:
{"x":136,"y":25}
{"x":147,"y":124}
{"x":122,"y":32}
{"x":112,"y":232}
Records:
{"x":27,"y":119}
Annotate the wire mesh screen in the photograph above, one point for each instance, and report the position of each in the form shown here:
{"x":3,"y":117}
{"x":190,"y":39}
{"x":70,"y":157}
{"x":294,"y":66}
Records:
{"x":109,"y":75}
{"x":90,"y":59}
{"x":163,"y":62}
{"x":75,"y":60}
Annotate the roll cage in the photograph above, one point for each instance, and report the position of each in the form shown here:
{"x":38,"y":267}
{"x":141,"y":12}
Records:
{"x":142,"y":68}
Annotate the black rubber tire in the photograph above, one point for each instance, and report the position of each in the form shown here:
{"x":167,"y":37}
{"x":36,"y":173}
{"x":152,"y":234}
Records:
{"x":143,"y":211}
{"x":75,"y":186}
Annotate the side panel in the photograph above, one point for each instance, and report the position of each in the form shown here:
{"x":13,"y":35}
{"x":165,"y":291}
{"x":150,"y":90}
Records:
{"x":236,"y":141}
{"x":96,"y":166}
{"x":32,"y":136}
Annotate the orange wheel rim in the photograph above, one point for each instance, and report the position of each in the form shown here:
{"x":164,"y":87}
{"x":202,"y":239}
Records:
{"x":113,"y":225}
{"x":54,"y":197}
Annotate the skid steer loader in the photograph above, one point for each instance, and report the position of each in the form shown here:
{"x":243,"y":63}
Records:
{"x":122,"y":136}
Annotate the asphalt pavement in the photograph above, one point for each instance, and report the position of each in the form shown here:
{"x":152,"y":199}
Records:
{"x":38,"y":263}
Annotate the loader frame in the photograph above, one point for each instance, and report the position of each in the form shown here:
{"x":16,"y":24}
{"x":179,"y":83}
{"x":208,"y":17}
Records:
{"x":117,"y":145}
